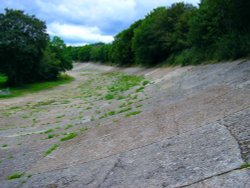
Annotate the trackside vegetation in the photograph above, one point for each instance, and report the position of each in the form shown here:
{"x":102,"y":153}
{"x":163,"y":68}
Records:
{"x":27,"y":55}
{"x":181,"y":34}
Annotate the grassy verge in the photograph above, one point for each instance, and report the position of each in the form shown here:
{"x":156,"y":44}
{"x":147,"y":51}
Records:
{"x":35,"y":87}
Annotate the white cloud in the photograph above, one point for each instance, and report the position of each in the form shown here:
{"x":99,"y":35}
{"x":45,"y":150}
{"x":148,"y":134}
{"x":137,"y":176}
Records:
{"x":86,"y":21}
{"x":89,"y":11}
{"x":76,"y":32}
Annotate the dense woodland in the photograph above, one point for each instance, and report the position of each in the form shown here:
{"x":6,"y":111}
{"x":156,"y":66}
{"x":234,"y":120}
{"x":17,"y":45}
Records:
{"x":26,"y":52}
{"x":180,"y":34}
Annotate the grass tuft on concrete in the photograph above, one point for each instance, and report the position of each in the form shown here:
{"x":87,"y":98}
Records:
{"x":69,"y":136}
{"x":15,"y":175}
{"x":51,"y":149}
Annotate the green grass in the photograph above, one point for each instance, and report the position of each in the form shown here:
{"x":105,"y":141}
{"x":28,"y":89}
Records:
{"x":124,"y":82}
{"x":145,"y":82}
{"x":124,"y":110}
{"x":51,"y":149}
{"x":48,"y":131}
{"x":36,"y":87}
{"x":133,"y":113}
{"x":59,"y":117}
{"x":111,"y":113}
{"x":139,"y":89}
{"x":69,"y":136}
{"x":43,"y":103}
{"x":124,"y":104}
{"x":68,"y":126}
{"x":50,"y":136}
{"x":245,"y":165}
{"x":138,"y":106}
{"x":83,"y":129}
{"x":5,"y":145}
{"x":15,"y":175}
{"x":109,"y":96}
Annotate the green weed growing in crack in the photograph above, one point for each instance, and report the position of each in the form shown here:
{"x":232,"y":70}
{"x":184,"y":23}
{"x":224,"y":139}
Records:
{"x":125,"y":110}
{"x":61,"y":116}
{"x":245,"y":165}
{"x":68,"y":127}
{"x":51,"y":149}
{"x":84,"y":129}
{"x":69,"y":136}
{"x":145,"y":82}
{"x":133,"y":113}
{"x":140,"y":89}
{"x":109,"y":96}
{"x":50,"y":136}
{"x":15,"y":175}
{"x":48,"y":131}
{"x":138,"y":106}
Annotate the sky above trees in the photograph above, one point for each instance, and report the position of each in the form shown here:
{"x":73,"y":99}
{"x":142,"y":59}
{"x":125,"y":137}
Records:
{"x":87,"y":21}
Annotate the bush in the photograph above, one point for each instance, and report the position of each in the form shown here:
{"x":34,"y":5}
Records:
{"x":186,"y":57}
{"x":232,"y":46}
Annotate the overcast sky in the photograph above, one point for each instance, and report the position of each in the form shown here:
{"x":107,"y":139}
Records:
{"x":80,"y":22}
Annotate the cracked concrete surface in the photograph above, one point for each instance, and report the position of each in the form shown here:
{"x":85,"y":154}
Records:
{"x":193,"y":131}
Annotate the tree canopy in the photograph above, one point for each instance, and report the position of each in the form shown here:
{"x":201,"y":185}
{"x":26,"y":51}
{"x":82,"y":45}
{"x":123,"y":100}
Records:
{"x":179,"y":34}
{"x":26,"y":53}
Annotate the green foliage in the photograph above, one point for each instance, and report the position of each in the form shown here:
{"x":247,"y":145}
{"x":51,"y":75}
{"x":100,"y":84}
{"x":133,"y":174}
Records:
{"x":140,"y":89}
{"x":109,"y":96}
{"x":69,"y":136}
{"x":68,"y":126}
{"x":148,"y":43}
{"x":36,"y":87}
{"x":179,"y":35}
{"x":232,"y":46}
{"x":124,"y":110}
{"x":22,"y":41}
{"x":145,"y":82}
{"x":245,"y":165}
{"x":111,"y":113}
{"x":133,"y":113}
{"x":124,"y":82}
{"x":122,"y":53}
{"x":51,"y":149}
{"x":220,"y":29}
{"x":50,"y":136}
{"x":58,"y":48}
{"x":84,"y":53}
{"x":48,"y":131}
{"x":3,"y":80}
{"x":26,"y":55}
{"x":15,"y":175}
{"x":161,"y":33}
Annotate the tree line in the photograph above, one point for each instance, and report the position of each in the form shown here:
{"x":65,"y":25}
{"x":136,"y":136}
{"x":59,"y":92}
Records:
{"x":26,"y":52}
{"x":180,"y":34}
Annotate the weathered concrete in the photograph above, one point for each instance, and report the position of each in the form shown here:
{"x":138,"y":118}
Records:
{"x":193,"y":131}
{"x":238,"y":178}
{"x":174,"y":162}
{"x":239,"y":126}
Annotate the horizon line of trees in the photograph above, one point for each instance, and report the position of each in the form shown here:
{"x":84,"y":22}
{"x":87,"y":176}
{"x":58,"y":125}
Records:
{"x":180,"y":34}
